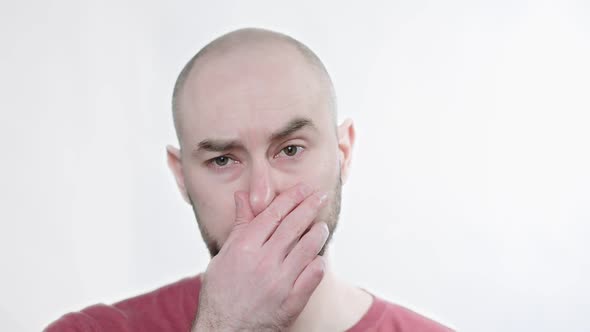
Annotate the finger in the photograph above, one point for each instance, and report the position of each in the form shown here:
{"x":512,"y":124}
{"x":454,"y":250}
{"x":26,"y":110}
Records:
{"x":265,"y":223}
{"x":244,"y":212}
{"x":294,"y":225}
{"x":305,"y":285}
{"x":306,"y":250}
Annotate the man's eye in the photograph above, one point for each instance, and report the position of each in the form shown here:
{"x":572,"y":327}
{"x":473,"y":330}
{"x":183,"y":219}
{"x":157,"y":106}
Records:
{"x":221,"y":160}
{"x":291,"y":150}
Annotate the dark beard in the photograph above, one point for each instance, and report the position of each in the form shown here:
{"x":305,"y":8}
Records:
{"x":331,"y":220}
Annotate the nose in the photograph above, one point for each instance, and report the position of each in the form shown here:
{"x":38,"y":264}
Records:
{"x":262,"y":187}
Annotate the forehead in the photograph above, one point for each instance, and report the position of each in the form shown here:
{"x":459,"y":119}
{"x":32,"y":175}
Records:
{"x":251,"y":90}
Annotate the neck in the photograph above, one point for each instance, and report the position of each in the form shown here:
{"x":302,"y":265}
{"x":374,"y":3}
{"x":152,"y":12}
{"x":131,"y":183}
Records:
{"x":333,"y":306}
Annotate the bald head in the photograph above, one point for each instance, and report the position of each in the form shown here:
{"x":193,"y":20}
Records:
{"x":250,"y":42}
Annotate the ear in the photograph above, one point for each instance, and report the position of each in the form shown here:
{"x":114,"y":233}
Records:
{"x":346,"y":136}
{"x":173,"y":158}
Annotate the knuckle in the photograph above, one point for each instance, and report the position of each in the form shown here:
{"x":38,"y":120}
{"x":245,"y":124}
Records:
{"x":273,"y":213}
{"x":304,"y":250}
{"x":316,"y":201}
{"x":292,"y":232}
{"x":245,"y":247}
{"x":314,"y":233}
{"x":316,"y":237}
{"x":298,"y":194}
{"x":317,"y":270}
{"x":265,"y":267}
{"x":284,"y":240}
{"x":300,"y":231}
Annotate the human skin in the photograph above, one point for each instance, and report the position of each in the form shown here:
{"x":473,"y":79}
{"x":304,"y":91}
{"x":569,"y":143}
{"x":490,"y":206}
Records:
{"x":245,"y":96}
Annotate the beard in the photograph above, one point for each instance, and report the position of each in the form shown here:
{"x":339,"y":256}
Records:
{"x":331,"y":220}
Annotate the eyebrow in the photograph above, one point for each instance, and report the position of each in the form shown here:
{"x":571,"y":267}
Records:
{"x":220,"y":145}
{"x":292,"y":127}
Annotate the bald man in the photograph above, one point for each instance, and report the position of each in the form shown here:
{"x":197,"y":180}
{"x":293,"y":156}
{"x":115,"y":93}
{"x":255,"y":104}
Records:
{"x":261,"y":161}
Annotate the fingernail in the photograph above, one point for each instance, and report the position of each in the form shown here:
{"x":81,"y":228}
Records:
{"x":326,"y":228}
{"x":323,"y":197}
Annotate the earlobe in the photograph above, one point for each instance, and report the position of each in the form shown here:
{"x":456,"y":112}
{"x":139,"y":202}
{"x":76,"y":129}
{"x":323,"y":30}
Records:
{"x":346,"y":137}
{"x":175,"y":165}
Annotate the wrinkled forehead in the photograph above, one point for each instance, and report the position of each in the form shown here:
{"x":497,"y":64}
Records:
{"x":254,"y":90}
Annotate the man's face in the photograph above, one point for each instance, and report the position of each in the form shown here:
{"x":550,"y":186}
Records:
{"x":257,"y":121}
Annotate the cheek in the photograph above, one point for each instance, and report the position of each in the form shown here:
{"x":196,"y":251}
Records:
{"x":326,"y":178}
{"x":322,"y":171}
{"x":214,"y":204}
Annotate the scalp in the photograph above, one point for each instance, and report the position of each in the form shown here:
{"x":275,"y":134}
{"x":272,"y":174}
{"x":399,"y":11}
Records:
{"x":247,"y":41}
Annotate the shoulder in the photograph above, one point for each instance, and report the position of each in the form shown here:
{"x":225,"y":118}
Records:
{"x":409,"y":320}
{"x":168,"y":308}
{"x":385,"y":316}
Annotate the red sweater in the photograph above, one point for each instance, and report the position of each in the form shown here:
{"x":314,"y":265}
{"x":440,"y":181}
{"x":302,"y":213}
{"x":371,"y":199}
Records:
{"x":173,"y":308}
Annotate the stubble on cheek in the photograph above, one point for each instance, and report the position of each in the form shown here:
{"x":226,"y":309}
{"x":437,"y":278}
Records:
{"x":207,"y":234}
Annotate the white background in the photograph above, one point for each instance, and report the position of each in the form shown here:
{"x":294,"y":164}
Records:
{"x":469,"y":195}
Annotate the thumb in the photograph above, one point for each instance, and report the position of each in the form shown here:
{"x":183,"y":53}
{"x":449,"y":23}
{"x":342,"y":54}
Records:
{"x":244,"y":212}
